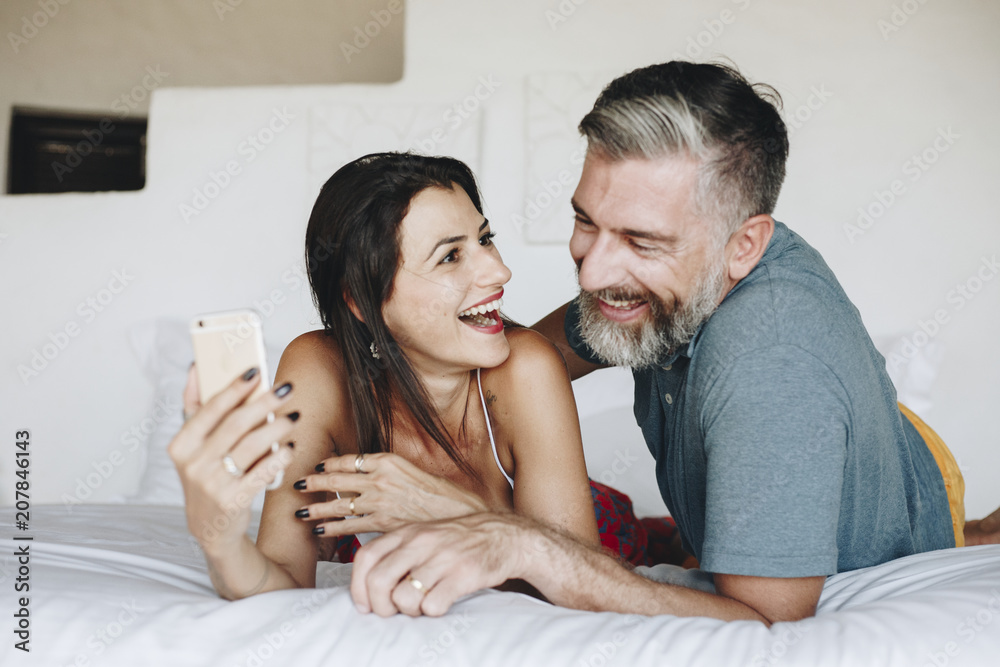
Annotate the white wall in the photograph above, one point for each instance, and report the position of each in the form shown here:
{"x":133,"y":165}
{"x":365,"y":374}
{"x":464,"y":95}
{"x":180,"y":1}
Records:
{"x":885,"y":101}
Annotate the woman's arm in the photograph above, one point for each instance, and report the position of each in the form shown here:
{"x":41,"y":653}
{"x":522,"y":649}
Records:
{"x":217,"y":502}
{"x":312,"y":363}
{"x":535,"y":413}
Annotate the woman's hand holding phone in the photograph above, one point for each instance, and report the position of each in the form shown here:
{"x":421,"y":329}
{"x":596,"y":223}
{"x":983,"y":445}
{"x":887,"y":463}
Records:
{"x":226,"y":453}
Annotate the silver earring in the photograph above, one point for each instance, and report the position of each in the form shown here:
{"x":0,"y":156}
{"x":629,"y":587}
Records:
{"x":374,"y":348}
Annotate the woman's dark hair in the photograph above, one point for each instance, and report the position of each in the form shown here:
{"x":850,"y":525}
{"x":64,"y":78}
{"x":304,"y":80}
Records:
{"x":353,"y":251}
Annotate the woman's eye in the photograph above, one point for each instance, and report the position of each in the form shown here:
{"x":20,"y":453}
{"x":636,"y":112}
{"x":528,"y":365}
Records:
{"x":450,"y":257}
{"x":487,"y":239}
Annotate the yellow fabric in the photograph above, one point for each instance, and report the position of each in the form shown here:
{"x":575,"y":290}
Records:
{"x":953,"y":481}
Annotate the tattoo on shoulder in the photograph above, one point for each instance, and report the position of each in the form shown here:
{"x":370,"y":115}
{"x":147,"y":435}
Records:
{"x":490,"y":398}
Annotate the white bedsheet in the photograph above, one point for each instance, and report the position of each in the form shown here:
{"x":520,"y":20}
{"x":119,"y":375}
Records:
{"x":126,"y":585}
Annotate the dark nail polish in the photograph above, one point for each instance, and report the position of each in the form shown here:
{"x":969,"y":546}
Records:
{"x":281,"y":391}
{"x":249,"y":375}
{"x":294,"y":416}
{"x":318,"y":530}
{"x":321,"y":467}
{"x":303,"y":513}
{"x":300,"y":485}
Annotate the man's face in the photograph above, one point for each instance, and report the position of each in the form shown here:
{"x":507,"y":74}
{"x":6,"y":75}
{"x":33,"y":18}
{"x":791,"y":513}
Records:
{"x":650,"y":270}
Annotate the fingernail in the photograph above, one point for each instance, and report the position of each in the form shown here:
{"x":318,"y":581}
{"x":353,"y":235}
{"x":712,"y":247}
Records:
{"x":303,"y":513}
{"x":321,"y":467}
{"x":294,"y":416}
{"x":300,"y":485}
{"x":318,"y":530}
{"x":361,"y":610}
{"x":249,"y":375}
{"x":283,"y":389}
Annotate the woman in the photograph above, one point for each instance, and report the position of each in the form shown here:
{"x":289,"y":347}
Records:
{"x":415,"y":402}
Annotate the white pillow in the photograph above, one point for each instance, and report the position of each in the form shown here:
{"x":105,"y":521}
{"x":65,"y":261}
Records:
{"x":163,"y":350}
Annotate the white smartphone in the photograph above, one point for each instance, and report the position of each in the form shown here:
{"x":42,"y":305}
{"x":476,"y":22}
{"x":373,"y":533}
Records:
{"x":226,"y":345}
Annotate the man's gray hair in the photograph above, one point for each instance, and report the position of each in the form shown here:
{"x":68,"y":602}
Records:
{"x":709,"y":113}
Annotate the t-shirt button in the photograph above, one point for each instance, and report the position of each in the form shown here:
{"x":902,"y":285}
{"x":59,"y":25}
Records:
{"x":669,"y":399}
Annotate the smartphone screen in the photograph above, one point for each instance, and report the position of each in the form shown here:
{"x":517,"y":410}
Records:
{"x":226,"y":345}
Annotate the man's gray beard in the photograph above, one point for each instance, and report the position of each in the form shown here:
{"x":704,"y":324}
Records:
{"x":660,"y":333}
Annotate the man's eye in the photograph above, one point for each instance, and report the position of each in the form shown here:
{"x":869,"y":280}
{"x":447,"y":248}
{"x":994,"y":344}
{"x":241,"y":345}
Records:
{"x":487,"y":239}
{"x":640,"y":247}
{"x":583,"y":222}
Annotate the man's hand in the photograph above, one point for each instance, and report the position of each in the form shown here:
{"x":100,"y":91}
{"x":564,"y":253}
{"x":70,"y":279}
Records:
{"x":425,"y":568}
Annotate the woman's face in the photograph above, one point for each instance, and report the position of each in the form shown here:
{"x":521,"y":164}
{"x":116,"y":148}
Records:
{"x":449,"y":268}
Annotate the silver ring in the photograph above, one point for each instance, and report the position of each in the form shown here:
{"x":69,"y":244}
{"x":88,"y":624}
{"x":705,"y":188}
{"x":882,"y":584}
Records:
{"x":416,"y":583}
{"x":351,"y":507}
{"x":230,"y":465}
{"x":359,"y":461}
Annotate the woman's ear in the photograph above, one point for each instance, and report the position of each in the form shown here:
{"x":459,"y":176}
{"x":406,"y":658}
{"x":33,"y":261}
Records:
{"x":353,"y":306}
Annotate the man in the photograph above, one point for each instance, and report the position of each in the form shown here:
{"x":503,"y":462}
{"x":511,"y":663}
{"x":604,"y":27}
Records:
{"x":780,"y":449}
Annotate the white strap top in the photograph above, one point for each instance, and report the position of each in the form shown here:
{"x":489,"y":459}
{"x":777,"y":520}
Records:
{"x":489,"y":429}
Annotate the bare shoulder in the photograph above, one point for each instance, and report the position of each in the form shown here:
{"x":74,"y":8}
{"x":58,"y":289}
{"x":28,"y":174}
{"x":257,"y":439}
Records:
{"x":313,"y":346}
{"x":533,"y":361}
{"x":312,"y":362}
{"x":530,"y":353}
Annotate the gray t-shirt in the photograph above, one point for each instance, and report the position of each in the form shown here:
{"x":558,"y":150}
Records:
{"x":780,"y":448}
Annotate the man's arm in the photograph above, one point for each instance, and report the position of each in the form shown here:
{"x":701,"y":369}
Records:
{"x":449,"y":559}
{"x":552,"y":326}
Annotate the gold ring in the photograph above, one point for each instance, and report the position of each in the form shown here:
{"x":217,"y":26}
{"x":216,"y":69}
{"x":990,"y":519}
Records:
{"x":359,"y":461}
{"x":416,"y":583}
{"x":351,"y":506}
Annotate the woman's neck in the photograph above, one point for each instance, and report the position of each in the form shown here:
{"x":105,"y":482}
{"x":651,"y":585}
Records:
{"x":448,"y":394}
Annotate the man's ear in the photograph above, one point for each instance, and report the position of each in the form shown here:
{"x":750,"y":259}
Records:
{"x":349,"y":300}
{"x":747,"y":245}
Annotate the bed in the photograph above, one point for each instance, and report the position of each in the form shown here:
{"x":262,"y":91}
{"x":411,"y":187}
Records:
{"x":126,"y":585}
{"x":115,"y":578}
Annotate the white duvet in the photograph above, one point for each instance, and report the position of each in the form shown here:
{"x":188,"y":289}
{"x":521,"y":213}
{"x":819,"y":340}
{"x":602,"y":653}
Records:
{"x":126,"y":585}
